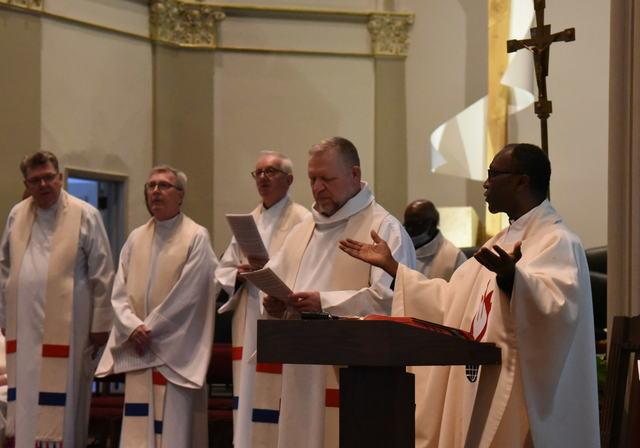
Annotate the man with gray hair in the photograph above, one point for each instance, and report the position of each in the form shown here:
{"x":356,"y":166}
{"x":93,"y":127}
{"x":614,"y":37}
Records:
{"x":324,"y":279}
{"x":163,"y":300}
{"x":275,"y":216}
{"x":56,"y":272}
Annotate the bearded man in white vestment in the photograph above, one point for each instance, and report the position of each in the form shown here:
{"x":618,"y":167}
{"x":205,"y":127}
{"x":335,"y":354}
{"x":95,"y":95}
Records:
{"x":163,"y":298}
{"x":276,"y":215}
{"x":55,"y":283}
{"x":527,"y":290}
{"x":436,"y":256}
{"x":325,"y":279}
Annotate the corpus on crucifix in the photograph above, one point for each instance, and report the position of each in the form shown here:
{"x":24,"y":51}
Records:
{"x":539,"y":44}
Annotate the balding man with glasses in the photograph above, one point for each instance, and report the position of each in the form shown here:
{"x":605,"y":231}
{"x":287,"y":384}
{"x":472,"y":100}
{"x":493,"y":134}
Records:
{"x":163,"y":299}
{"x":56,"y":273}
{"x":275,"y":216}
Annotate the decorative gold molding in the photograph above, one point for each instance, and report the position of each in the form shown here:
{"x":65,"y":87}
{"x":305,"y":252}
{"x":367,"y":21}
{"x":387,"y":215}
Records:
{"x":390,"y":34}
{"x":193,"y":24}
{"x":35,"y":5}
{"x":184,"y":24}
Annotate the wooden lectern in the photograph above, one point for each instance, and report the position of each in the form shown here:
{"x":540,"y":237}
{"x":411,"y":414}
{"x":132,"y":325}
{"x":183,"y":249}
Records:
{"x":377,"y":398}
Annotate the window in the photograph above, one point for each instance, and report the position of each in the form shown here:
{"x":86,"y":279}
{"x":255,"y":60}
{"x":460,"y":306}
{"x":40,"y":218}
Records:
{"x":106,"y":192}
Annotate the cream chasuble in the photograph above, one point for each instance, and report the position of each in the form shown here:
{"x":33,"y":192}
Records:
{"x":310,"y":260}
{"x":57,"y":274}
{"x":545,"y":391}
{"x":165,"y":281}
{"x":439,"y":258}
{"x":274,"y":224}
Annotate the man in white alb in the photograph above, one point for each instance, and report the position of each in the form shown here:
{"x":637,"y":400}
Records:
{"x":528,"y":291}
{"x":163,"y":299}
{"x":55,"y":283}
{"x":325,"y":279}
{"x":275,"y":216}
{"x":436,"y":256}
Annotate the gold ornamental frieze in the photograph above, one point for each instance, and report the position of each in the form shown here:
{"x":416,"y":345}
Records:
{"x":184,"y":24}
{"x":36,"y":5}
{"x":390,"y":34}
{"x":195,"y":24}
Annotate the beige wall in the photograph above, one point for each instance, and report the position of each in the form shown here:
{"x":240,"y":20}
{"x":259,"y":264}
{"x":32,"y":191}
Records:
{"x":355,"y":5}
{"x":183,"y":123}
{"x":19,"y":101}
{"x":82,"y":93}
{"x":447,"y":71}
{"x":579,"y":126}
{"x":127,"y":15}
{"x":97,"y":104}
{"x":285,"y":103}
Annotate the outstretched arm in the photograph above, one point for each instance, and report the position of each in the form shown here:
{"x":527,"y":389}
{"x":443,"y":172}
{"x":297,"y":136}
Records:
{"x":502,"y":263}
{"x":378,"y":254}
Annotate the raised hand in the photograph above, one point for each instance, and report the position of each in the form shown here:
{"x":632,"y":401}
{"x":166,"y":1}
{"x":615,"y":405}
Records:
{"x":502,"y":263}
{"x":377,"y":254}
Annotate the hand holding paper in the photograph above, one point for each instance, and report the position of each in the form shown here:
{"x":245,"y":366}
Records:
{"x":246,"y":232}
{"x":269,"y":283}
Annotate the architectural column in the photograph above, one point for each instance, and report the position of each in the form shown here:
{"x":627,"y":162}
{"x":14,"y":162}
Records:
{"x":390,"y":44}
{"x":623,"y":285}
{"x":183,"y":98}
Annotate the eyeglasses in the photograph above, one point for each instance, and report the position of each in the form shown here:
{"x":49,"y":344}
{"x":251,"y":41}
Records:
{"x":46,"y":178}
{"x":268,"y":172}
{"x":491,"y":173}
{"x":162,"y":186}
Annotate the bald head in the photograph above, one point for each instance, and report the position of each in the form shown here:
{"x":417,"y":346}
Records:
{"x":517,"y":179}
{"x":421,"y":217}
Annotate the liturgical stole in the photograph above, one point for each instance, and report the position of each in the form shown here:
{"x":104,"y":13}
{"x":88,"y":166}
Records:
{"x":261,"y":418}
{"x":145,"y":389}
{"x":347,"y":273}
{"x":58,"y":306}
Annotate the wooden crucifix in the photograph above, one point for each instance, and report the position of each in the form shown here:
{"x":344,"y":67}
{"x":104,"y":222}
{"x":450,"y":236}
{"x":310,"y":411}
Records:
{"x":539,"y":44}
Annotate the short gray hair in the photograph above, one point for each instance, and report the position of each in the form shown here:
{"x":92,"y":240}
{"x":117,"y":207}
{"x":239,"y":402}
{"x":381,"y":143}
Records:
{"x":181,"y":178}
{"x":347,"y":150}
{"x":286,"y":164}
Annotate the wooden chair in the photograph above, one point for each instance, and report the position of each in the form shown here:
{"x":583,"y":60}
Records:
{"x":618,"y":428}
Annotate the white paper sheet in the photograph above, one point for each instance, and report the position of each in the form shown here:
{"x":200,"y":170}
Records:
{"x":269,"y":283}
{"x":246,"y":232}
